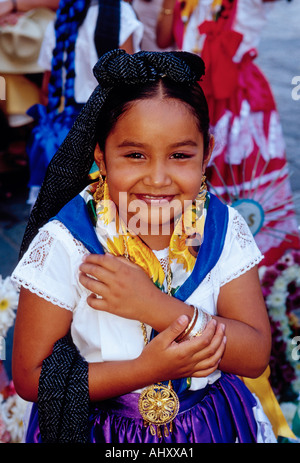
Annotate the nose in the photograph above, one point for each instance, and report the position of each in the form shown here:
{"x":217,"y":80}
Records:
{"x":157,"y":175}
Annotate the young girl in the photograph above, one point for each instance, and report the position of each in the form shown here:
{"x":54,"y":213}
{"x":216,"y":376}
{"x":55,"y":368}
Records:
{"x":140,"y":299}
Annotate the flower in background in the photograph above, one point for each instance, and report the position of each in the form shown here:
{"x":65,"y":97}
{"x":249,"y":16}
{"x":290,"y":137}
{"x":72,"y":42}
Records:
{"x":12,"y":411}
{"x":9,"y":297}
{"x":281,"y":289}
{"x":12,"y":406}
{"x":4,"y":434}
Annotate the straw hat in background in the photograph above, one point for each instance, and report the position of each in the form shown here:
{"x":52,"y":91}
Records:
{"x":20,"y":43}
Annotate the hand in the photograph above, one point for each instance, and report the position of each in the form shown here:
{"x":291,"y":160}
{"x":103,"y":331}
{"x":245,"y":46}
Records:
{"x":123,"y":286}
{"x":198,"y":357}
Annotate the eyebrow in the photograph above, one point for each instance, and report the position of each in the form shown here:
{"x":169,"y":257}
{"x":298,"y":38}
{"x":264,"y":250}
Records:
{"x":187,"y":142}
{"x":130,"y":143}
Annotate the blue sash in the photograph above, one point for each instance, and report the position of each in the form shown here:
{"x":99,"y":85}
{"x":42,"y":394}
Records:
{"x":75,"y":216}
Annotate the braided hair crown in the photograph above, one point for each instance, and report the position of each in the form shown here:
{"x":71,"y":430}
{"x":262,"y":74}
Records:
{"x":118,"y":67}
{"x":68,"y":171}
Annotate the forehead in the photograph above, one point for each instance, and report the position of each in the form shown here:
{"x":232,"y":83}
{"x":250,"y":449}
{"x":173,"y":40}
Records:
{"x":157,"y":112}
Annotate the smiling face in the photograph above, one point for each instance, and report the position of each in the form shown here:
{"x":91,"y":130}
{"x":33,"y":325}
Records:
{"x":154,"y":156}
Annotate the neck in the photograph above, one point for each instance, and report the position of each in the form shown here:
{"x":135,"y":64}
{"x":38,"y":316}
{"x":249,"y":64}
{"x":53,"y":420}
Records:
{"x":156,"y":238}
{"x":156,"y":242}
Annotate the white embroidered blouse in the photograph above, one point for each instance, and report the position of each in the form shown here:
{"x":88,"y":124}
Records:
{"x":50,"y":269}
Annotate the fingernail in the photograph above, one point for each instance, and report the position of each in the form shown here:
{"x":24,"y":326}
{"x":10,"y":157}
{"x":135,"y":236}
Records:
{"x":182,"y":320}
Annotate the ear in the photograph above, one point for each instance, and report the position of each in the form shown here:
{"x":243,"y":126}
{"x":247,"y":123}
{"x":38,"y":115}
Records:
{"x":99,"y":159}
{"x":210,"y":150}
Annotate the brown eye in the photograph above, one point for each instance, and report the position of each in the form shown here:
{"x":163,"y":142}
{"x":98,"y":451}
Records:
{"x":134,"y":156}
{"x":180,"y":156}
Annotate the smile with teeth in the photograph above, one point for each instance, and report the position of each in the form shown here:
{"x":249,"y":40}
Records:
{"x":155,"y":200}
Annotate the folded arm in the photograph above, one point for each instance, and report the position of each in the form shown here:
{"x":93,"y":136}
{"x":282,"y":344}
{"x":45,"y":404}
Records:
{"x":40,"y":324}
{"x":127,"y":291}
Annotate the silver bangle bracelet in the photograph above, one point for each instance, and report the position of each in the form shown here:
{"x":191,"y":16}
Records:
{"x":190,"y":327}
{"x":203,"y":320}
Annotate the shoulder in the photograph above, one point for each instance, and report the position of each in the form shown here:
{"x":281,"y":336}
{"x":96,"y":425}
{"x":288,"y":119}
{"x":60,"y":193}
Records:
{"x":49,"y":268}
{"x":53,"y":242}
{"x":240,"y":252}
{"x":238,"y":228}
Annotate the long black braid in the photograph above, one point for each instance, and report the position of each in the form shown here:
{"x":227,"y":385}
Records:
{"x":68,"y":172}
{"x":70,"y":16}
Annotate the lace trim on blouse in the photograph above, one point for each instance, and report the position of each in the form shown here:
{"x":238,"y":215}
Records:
{"x":240,"y":272}
{"x":42,"y":294}
{"x":38,"y":258}
{"x":246,"y":242}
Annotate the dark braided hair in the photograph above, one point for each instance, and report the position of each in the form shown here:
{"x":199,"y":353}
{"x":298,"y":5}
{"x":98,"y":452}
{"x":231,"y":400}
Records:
{"x":68,"y":171}
{"x":70,"y":16}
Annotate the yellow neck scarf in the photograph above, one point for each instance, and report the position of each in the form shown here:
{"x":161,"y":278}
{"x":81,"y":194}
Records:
{"x":116,"y":238}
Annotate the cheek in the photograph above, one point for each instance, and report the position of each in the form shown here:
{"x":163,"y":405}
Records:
{"x":191,"y":183}
{"x":119,"y":185}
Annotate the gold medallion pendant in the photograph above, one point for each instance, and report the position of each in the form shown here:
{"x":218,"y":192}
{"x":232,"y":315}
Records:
{"x":158,"y":405}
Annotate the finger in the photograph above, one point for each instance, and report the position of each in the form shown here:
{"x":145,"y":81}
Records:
{"x":205,"y":345}
{"x":94,"y":286}
{"x":206,"y":336}
{"x":203,"y":373}
{"x":174,"y":330}
{"x":129,"y":263}
{"x":217,"y":352}
{"x":213,"y":335}
{"x":96,"y":271}
{"x":97,"y":303}
{"x":107,"y":261}
{"x":212,"y":362}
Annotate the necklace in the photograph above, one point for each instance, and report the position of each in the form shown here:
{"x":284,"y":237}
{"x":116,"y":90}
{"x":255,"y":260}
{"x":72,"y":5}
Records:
{"x":158,"y":403}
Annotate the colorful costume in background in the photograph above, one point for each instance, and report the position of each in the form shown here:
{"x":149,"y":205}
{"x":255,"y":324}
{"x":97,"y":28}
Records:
{"x":248,"y":168}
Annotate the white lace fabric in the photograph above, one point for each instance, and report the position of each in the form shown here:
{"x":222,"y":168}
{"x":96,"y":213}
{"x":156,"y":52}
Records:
{"x":241,"y":254}
{"x":50,"y":266}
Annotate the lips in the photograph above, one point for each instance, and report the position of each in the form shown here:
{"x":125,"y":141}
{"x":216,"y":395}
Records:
{"x":155,"y":200}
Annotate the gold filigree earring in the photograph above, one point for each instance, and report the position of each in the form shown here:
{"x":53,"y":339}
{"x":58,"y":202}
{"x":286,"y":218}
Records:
{"x":203,"y":189}
{"x":99,"y":193}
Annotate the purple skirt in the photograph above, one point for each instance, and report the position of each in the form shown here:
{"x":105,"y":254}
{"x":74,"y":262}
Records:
{"x":221,"y":413}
